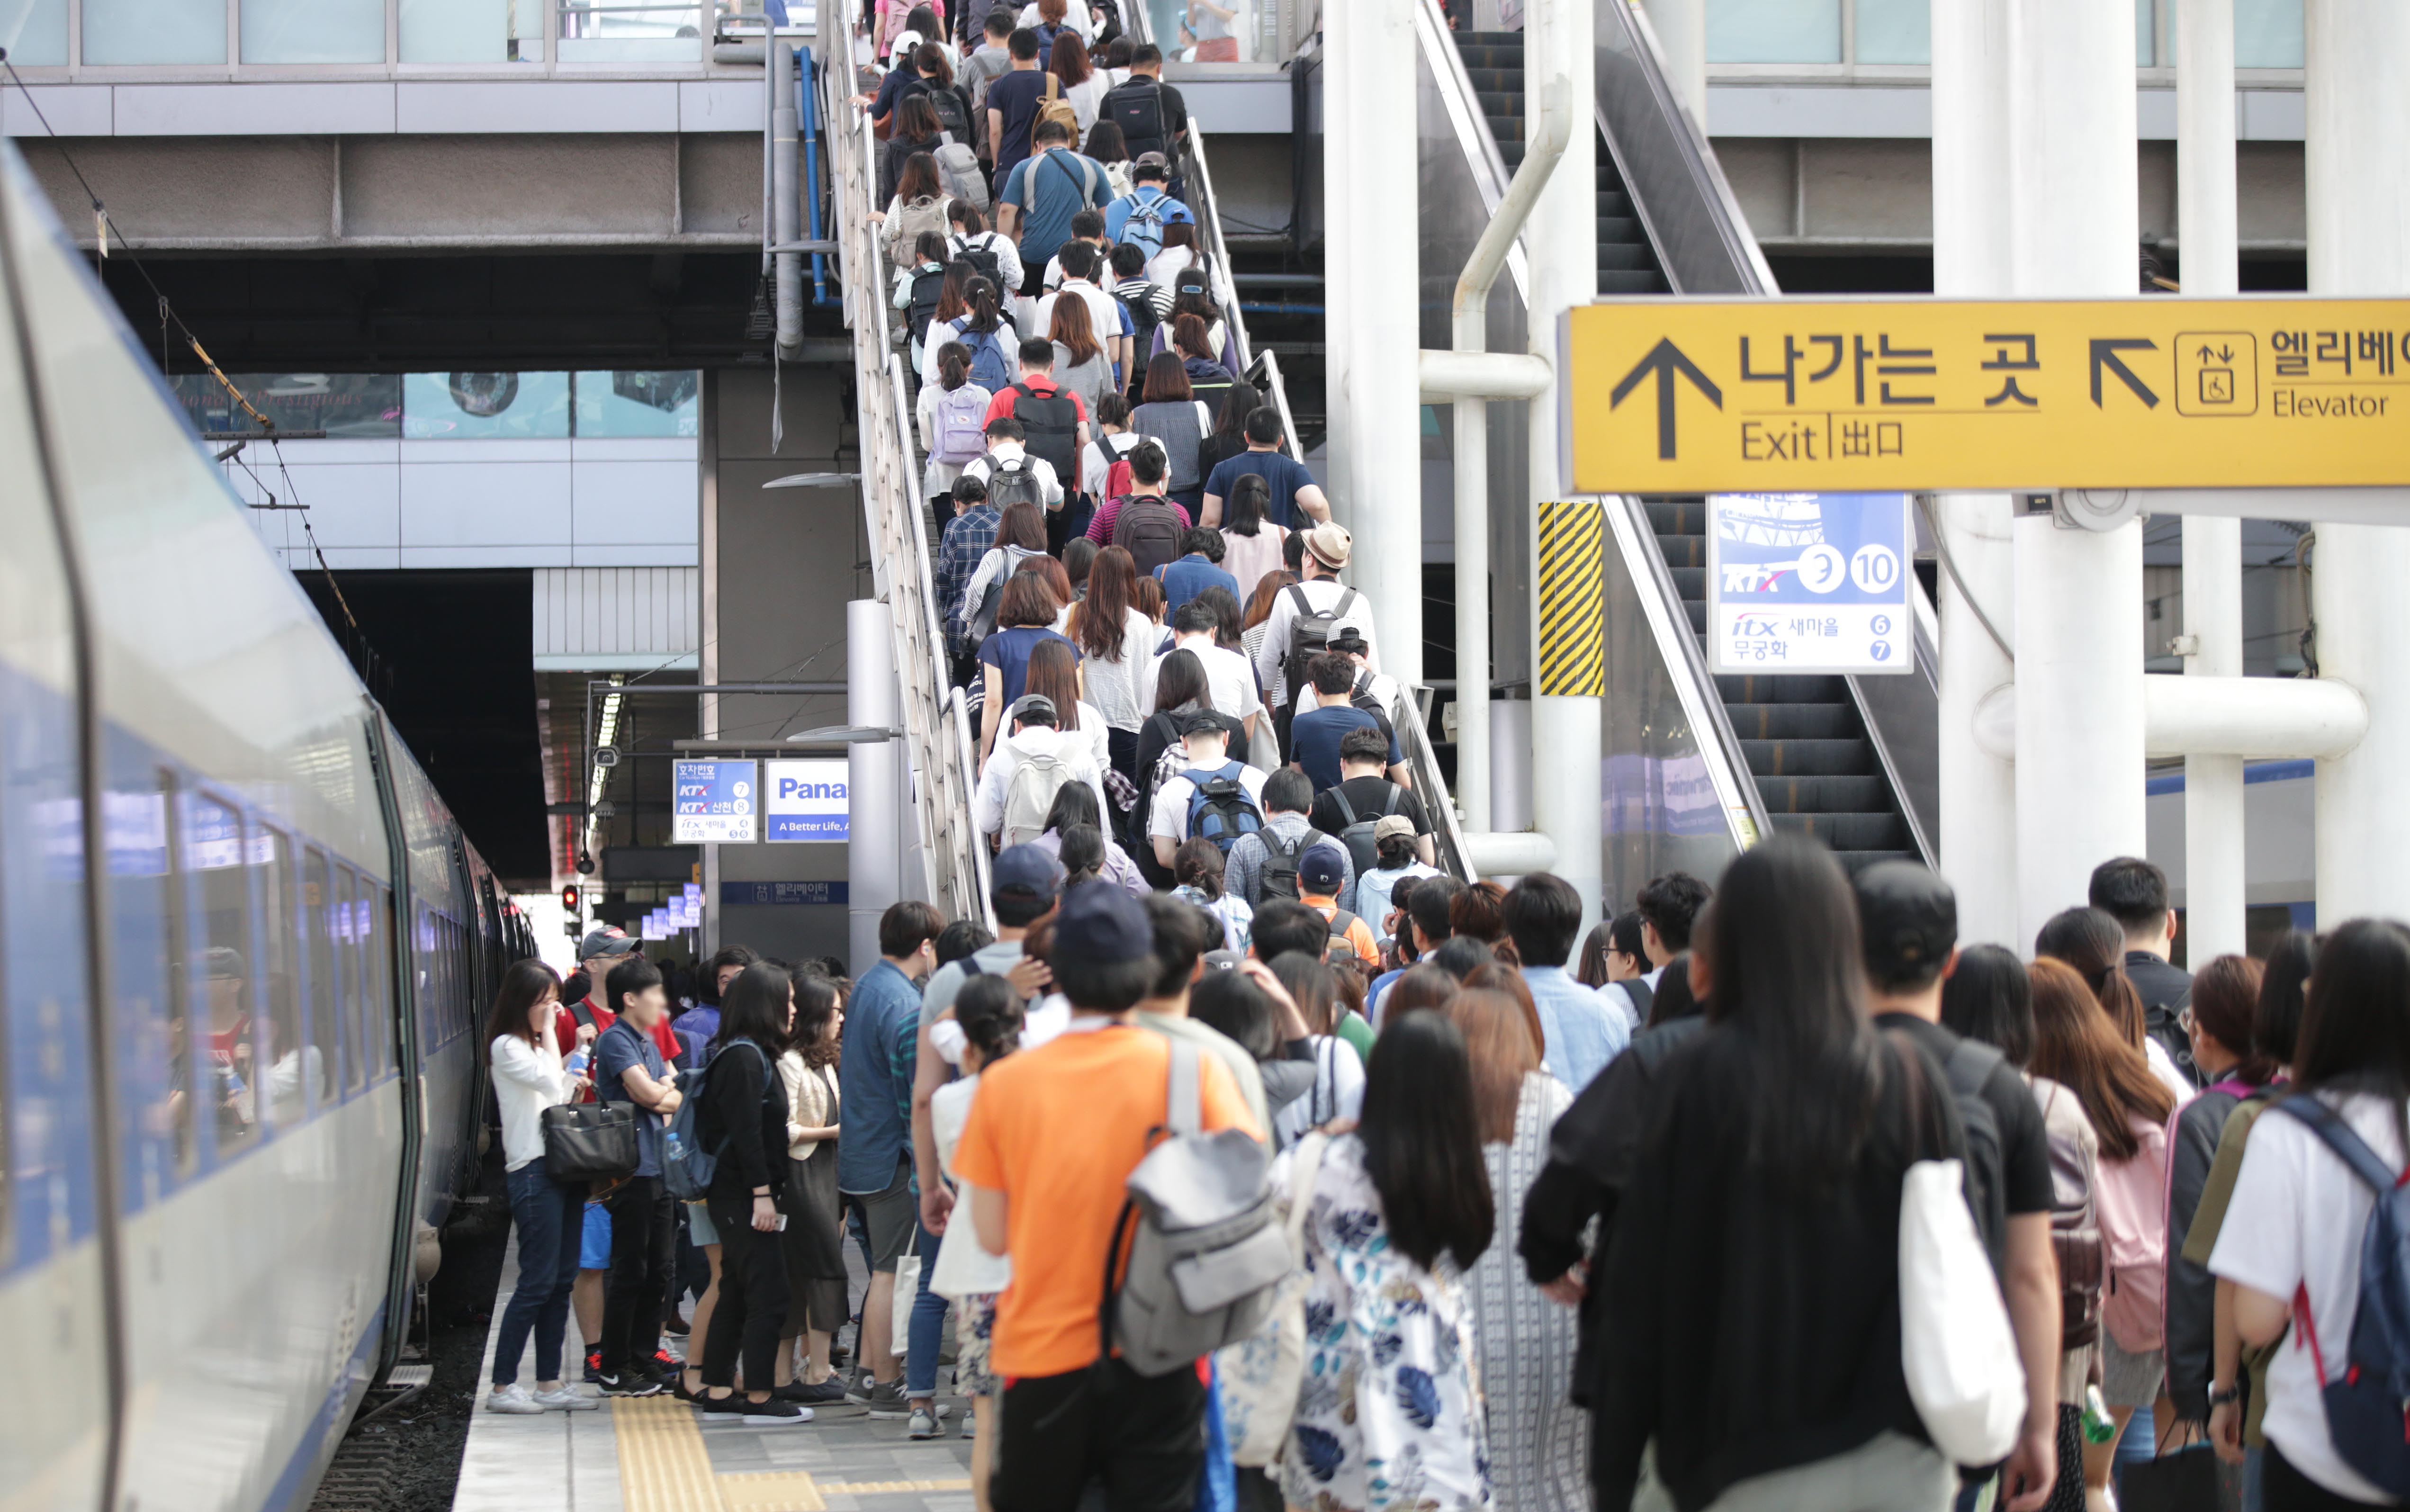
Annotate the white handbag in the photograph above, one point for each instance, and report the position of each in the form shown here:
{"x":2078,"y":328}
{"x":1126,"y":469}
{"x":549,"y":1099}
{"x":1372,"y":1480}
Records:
{"x":1259,"y":1377}
{"x":1956,"y":1348}
{"x":908,"y":1290}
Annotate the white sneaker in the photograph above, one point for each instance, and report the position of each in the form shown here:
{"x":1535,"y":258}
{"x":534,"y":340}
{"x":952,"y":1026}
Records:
{"x":512,"y":1399}
{"x":568,"y":1399}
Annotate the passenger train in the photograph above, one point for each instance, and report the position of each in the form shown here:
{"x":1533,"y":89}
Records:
{"x":243,"y":950}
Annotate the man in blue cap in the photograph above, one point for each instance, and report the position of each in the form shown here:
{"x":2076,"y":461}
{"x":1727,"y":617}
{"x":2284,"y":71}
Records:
{"x":1053,"y":1137}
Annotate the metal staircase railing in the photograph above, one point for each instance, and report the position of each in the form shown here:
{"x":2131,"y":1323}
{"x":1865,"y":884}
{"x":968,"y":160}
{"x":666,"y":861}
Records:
{"x":944,"y":772}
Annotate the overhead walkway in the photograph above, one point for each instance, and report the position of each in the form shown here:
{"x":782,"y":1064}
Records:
{"x":1849,"y":760}
{"x":902,"y":529}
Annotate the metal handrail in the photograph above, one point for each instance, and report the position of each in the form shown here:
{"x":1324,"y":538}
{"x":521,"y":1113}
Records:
{"x":944,"y":770}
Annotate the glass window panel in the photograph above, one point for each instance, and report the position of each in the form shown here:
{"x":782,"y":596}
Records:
{"x":41,"y":33}
{"x":1774,"y":31}
{"x":471,"y":31}
{"x":615,"y":31}
{"x":475,"y":406}
{"x":366,"y":405}
{"x":376,"y":976}
{"x":287,"y":1051}
{"x":152,"y":979}
{"x":226,"y":1031}
{"x":638,"y":403}
{"x":326,"y":1002}
{"x":1895,"y":31}
{"x":313,"y":31}
{"x":2267,"y":33}
{"x":154,"y":31}
{"x":2146,"y":34}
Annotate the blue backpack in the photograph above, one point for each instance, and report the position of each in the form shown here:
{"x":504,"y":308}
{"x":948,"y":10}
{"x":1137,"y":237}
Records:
{"x":1221,"y":809}
{"x":2368,"y":1407}
{"x":990,"y":366}
{"x":686,"y":1166}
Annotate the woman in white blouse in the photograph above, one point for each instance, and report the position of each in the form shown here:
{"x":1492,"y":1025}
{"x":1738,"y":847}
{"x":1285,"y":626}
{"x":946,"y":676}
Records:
{"x":529,"y":1077}
{"x":813,"y":1243}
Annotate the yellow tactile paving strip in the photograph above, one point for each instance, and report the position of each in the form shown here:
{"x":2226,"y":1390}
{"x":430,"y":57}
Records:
{"x":664,"y":1467}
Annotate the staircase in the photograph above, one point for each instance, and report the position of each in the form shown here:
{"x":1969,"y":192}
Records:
{"x":1804,"y":738}
{"x":1493,"y":60}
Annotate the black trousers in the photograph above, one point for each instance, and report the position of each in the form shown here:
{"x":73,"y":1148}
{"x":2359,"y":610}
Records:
{"x":644,"y":1251}
{"x":2284,"y":1489}
{"x":753,"y":1303}
{"x":1143,"y":1439}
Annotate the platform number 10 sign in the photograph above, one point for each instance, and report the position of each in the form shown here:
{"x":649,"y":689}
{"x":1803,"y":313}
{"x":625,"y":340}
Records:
{"x":1808,"y":583}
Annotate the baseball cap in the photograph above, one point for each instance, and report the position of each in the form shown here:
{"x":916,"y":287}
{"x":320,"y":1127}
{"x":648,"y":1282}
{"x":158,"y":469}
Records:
{"x":1028,"y":704}
{"x":1331,"y":544}
{"x":1390,"y":825}
{"x":1321,"y":869}
{"x":606,"y":940}
{"x":1908,"y":917}
{"x":1102,"y":922}
{"x":1211,"y":719}
{"x":1152,"y":159}
{"x":1026,"y":872}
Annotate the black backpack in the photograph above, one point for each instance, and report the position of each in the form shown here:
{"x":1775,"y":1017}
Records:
{"x":982,"y":258}
{"x":1137,"y":295}
{"x":1136,"y":107}
{"x":926,"y":286}
{"x":1357,"y":834}
{"x":1309,"y":634}
{"x":1967,"y":1067}
{"x":1014,"y":482}
{"x":1641,"y":995}
{"x":1149,"y":530}
{"x":1050,"y":427}
{"x":953,"y":109}
{"x":1280,"y":862}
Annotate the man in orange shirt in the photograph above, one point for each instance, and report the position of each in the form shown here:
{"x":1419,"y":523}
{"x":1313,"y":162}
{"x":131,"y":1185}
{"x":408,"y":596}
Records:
{"x":1053,"y":1137}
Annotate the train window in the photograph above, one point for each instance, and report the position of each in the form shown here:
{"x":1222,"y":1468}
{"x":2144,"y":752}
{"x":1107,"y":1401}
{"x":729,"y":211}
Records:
{"x":376,"y":975}
{"x":155,"y":970}
{"x":225,"y":1029}
{"x":326,"y":1002}
{"x":293,"y":1066}
{"x":343,"y":935}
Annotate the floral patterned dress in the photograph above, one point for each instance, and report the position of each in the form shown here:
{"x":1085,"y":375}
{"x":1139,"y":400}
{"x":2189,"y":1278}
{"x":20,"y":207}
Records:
{"x":1389,"y":1414}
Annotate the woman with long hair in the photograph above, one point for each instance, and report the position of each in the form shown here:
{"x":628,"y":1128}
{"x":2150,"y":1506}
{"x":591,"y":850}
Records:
{"x":550,"y":1215}
{"x":1084,"y":84}
{"x":1075,"y":805}
{"x":2094,"y":943}
{"x":979,"y":325}
{"x":2078,"y":1045}
{"x":1181,"y":689}
{"x":1054,"y":672}
{"x":1539,"y":1441}
{"x":2299,"y":1213}
{"x":909,"y":184}
{"x":1117,"y":644}
{"x":1208,"y":378}
{"x":1338,"y":1071}
{"x":1107,"y":146}
{"x":1180,"y":253}
{"x":1752,"y":1285}
{"x":1022,"y":623}
{"x":1048,"y":570}
{"x":1265,"y":593}
{"x":1177,"y":420}
{"x":1019,"y":538}
{"x":743,"y":1116}
{"x":1078,"y":559}
{"x":1082,"y":365}
{"x":1396,"y":1213}
{"x":813,"y":1242}
{"x":1197,"y":877}
{"x":1252,"y":547}
{"x":953,"y":377}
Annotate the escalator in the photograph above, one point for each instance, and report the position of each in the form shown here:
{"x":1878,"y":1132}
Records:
{"x":1848,"y":759}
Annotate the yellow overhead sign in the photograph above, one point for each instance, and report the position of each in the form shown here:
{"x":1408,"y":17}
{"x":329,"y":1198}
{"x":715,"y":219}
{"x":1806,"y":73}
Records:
{"x":1687,"y":395}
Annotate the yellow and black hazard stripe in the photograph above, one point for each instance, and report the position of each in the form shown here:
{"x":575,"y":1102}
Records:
{"x":1572,"y":600}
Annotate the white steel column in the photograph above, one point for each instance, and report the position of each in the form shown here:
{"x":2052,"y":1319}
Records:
{"x":2359,"y":180}
{"x":1369,"y":176}
{"x":1682,"y":28}
{"x":2073,"y":232}
{"x":2212,"y":547}
{"x":873,"y":854}
{"x":1970,"y":259}
{"x":1560,"y":243}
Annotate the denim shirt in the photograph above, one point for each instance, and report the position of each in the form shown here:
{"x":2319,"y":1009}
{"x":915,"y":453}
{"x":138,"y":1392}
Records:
{"x":1582,"y":1036}
{"x":873,"y":1121}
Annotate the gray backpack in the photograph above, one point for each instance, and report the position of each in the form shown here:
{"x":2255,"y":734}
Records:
{"x":1208,"y":1254}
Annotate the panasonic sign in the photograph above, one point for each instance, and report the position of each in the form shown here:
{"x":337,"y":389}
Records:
{"x":805,"y":800}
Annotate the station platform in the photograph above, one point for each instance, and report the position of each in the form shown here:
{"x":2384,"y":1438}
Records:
{"x":653,"y":1454}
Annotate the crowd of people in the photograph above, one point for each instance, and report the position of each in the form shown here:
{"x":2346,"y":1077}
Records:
{"x":1614,"y":1221}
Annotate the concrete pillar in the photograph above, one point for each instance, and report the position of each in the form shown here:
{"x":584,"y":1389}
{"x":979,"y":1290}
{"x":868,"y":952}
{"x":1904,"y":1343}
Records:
{"x":1682,"y":28}
{"x":2358,"y":181}
{"x":1970,"y":246}
{"x":2212,"y":547}
{"x":1369,"y":176}
{"x":1560,"y":243}
{"x":874,"y":862}
{"x":2074,"y":230}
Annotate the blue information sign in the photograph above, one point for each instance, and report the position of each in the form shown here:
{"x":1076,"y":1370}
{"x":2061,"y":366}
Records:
{"x":714,"y":803}
{"x":1809,"y":582}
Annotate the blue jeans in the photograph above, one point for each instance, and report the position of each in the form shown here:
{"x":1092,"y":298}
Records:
{"x":2137,"y":1445}
{"x":550,"y":1219}
{"x":928,"y":1324}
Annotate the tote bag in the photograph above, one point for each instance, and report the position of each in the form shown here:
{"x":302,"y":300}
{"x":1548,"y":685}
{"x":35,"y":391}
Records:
{"x":1259,"y":1376}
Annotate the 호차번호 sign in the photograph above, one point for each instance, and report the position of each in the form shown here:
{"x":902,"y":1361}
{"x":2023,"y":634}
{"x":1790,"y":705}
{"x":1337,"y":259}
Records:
{"x":1809,"y":582}
{"x":1697,"y":395}
{"x":713,"y":803}
{"x":805,"y":800}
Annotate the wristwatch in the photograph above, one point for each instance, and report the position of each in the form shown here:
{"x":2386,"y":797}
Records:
{"x":2219,"y":1397}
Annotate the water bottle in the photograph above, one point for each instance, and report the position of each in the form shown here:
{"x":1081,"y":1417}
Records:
{"x":2099,"y":1426}
{"x":672,"y":1149}
{"x":577,"y":1062}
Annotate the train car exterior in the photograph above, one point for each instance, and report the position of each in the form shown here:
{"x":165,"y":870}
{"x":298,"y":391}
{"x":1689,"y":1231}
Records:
{"x":244,"y":952}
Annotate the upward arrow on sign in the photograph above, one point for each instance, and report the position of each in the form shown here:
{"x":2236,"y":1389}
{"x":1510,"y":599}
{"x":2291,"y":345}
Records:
{"x":2104,"y":354}
{"x":1664,"y":359}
